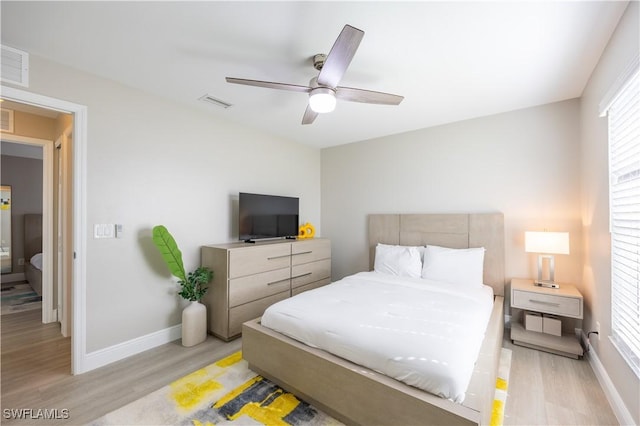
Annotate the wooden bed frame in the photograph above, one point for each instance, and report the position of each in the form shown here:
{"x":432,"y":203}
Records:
{"x":357,"y":395}
{"x":33,"y":245}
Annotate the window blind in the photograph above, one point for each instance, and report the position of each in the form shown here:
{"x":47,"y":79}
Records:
{"x":624,"y":191}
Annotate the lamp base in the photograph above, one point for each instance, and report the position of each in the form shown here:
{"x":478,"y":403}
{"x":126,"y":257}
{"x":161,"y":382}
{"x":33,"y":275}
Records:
{"x":549,"y":284}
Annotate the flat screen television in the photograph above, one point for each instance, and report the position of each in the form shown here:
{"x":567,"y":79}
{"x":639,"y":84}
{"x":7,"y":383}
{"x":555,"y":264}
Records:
{"x":267,"y":216}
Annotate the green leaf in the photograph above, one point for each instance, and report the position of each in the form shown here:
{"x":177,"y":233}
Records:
{"x":169,"y":250}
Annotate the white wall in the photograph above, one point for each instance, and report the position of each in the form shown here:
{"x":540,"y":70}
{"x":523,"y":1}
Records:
{"x":151,"y":161}
{"x":522,"y":163}
{"x":623,"y":45}
{"x":24,"y":175}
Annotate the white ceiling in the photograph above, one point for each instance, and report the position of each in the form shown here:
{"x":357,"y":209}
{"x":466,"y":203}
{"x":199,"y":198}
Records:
{"x":451,"y":60}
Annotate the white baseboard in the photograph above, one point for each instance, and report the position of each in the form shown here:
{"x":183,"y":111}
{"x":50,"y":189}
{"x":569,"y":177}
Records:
{"x":11,"y":278}
{"x":617,"y":404}
{"x":123,"y":350}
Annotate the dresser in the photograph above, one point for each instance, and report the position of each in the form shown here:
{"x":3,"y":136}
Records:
{"x":248,"y":278}
{"x":564,"y":304}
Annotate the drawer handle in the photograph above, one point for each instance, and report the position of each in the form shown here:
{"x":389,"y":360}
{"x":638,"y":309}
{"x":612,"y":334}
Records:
{"x":302,"y":252}
{"x":278,"y":282}
{"x":303,"y":275}
{"x":540,"y":302}
{"x":277,"y":257}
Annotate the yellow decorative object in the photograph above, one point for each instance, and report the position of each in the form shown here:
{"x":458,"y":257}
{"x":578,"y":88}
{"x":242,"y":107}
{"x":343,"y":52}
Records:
{"x":306,"y":231}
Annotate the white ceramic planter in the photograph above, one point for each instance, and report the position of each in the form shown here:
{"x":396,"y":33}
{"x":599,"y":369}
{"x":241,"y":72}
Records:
{"x":194,"y":324}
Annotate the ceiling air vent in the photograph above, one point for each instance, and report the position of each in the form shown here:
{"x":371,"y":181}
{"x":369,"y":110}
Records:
{"x":6,"y":120}
{"x":214,"y":101}
{"x":15,"y":66}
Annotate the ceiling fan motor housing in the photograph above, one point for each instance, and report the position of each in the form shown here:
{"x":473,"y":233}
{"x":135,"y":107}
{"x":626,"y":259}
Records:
{"x":318,"y":61}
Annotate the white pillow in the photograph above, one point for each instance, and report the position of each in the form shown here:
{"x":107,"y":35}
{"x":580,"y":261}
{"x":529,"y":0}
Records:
{"x":455,"y":266}
{"x":397,"y":260}
{"x":36,"y":260}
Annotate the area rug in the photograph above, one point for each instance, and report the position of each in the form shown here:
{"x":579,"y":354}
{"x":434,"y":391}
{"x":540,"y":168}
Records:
{"x":19,"y":297}
{"x":502,"y":383}
{"x":228,"y":393}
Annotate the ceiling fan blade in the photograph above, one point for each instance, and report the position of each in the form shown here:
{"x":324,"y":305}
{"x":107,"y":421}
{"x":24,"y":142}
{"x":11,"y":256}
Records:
{"x":340,"y":56}
{"x":270,"y":85}
{"x":367,"y":96}
{"x":309,"y":115}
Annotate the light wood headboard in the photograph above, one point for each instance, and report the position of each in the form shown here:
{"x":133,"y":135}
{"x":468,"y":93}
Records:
{"x":446,"y":230}
{"x":32,"y":235}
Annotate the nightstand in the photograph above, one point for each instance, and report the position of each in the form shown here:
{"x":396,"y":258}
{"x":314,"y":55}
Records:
{"x":564,"y":302}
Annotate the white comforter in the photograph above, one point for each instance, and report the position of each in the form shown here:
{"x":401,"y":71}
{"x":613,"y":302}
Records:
{"x":423,"y":333}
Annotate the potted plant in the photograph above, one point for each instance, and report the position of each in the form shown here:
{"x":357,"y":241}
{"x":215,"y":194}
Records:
{"x":193,"y":286}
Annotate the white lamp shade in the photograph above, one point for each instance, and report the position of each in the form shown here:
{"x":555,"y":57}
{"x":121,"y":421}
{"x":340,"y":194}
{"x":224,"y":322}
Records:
{"x":546,"y":242}
{"x":322,"y":100}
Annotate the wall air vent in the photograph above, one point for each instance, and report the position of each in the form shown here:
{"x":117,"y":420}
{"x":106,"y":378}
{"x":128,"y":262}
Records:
{"x":6,"y":120}
{"x":15,"y":66}
{"x":214,"y":101}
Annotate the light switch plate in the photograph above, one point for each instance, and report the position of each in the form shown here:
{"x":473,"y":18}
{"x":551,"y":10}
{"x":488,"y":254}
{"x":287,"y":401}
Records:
{"x":103,"y":230}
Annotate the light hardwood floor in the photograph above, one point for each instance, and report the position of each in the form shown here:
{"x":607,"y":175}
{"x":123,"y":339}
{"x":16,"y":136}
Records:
{"x":544,"y":389}
{"x":548,"y":389}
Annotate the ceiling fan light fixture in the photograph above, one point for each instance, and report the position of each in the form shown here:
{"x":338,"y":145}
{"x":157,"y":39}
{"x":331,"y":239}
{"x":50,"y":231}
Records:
{"x":322,"y":100}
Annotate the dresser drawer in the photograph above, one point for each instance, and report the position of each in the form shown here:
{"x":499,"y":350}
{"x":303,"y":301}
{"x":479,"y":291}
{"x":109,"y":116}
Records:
{"x":310,"y":286}
{"x":310,"y":251}
{"x":257,"y":286}
{"x":251,"y":310}
{"x":310,"y":272}
{"x":548,"y":303}
{"x":253,"y":260}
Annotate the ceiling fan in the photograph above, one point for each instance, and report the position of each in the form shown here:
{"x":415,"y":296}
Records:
{"x":323,"y":90}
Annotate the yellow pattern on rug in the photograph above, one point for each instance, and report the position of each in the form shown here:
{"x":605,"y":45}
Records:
{"x":230,"y":360}
{"x":502,"y":383}
{"x":190,"y":391}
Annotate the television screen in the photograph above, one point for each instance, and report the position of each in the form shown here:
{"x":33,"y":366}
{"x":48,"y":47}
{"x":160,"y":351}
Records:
{"x":267,"y":216}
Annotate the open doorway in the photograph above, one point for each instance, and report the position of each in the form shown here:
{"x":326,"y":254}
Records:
{"x":37,"y":162}
{"x":76,"y":297}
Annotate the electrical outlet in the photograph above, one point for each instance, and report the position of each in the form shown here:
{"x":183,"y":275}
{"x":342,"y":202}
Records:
{"x":598,"y":329}
{"x":21,"y":261}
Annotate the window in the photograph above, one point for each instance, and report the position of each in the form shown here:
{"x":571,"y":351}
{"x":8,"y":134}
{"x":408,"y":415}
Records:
{"x":624,"y":208}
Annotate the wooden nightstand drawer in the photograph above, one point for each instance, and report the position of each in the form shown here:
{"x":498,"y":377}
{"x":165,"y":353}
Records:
{"x":565,"y":306}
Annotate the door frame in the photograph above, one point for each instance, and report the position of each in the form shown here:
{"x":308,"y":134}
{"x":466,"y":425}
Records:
{"x":78,"y":279}
{"x":61,"y":146}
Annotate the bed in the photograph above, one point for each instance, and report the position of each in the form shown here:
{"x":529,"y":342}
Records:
{"x":359,"y":395}
{"x":33,"y":251}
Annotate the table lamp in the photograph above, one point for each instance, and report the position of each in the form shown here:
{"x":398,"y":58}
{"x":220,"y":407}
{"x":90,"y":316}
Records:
{"x":546,"y":244}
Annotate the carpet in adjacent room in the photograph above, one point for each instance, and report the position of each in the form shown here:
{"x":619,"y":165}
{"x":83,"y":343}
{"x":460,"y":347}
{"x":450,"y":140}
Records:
{"x":19,"y":297}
